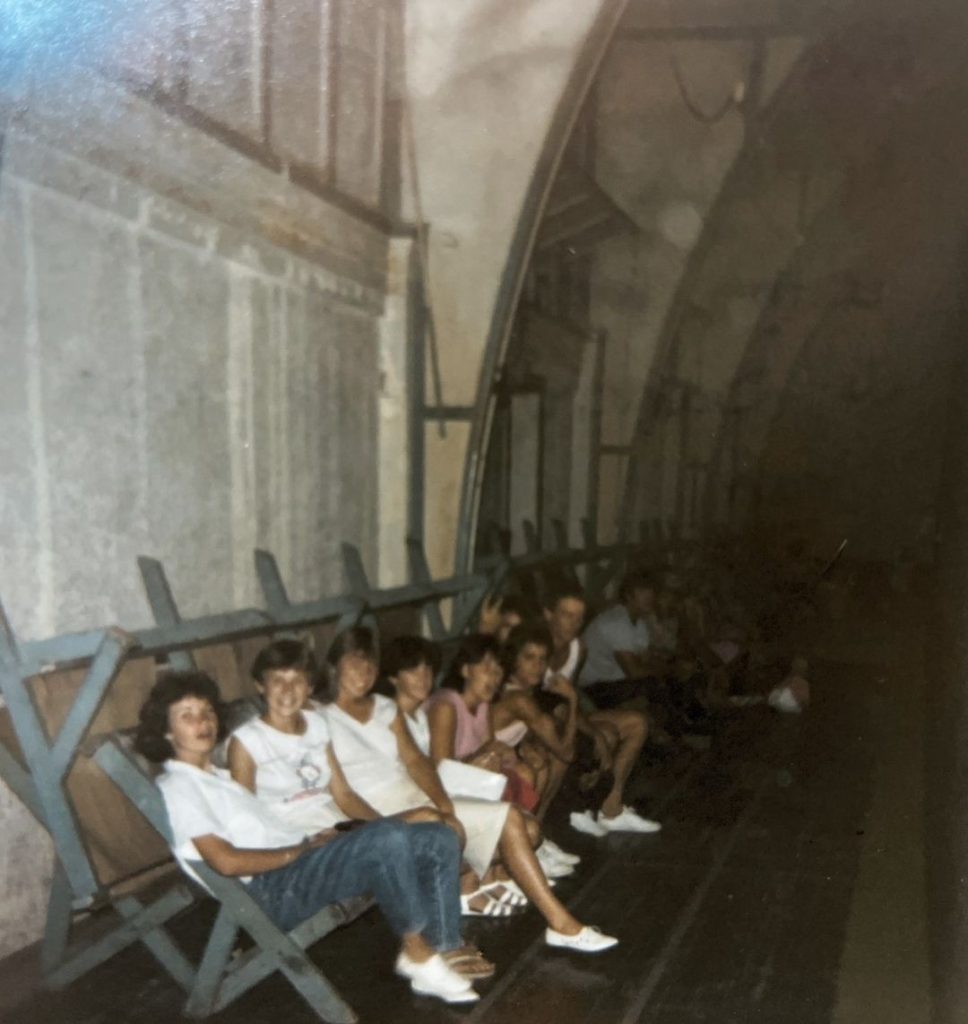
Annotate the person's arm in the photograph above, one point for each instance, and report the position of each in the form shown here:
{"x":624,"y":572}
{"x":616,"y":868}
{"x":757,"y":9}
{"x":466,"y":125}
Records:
{"x":489,"y":617}
{"x":443,"y":730}
{"x":347,"y":799}
{"x":421,"y":769}
{"x":241,"y":765}
{"x":233,"y":861}
{"x":560,"y":744}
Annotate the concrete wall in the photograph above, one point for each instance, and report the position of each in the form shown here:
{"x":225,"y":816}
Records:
{"x":203,"y":317}
{"x":489,"y":73}
{"x":175,"y":389}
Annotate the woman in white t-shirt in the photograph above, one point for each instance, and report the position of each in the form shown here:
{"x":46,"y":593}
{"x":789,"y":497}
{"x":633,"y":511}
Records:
{"x":292,"y":872}
{"x":383,"y":764}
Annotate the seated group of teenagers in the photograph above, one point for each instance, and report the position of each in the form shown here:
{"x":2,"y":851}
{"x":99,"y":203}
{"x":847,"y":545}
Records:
{"x":361,"y":778}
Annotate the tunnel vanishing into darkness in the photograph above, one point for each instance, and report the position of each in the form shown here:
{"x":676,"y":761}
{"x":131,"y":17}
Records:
{"x":288,"y":276}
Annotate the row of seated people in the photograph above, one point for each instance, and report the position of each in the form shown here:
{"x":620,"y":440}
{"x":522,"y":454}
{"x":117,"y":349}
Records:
{"x":336,"y":793}
{"x":682,"y":648}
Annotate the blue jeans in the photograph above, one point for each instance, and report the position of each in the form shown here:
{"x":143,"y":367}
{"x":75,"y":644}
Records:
{"x":412,"y":871}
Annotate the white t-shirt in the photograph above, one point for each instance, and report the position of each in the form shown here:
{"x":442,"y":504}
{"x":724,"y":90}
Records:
{"x":607,"y":633}
{"x":292,"y":771}
{"x":367,"y":751}
{"x":203,"y":803}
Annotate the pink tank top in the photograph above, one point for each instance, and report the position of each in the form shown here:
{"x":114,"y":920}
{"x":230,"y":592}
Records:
{"x":473,"y":730}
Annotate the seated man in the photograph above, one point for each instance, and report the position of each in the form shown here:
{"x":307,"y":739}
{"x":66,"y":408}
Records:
{"x":621,"y":659}
{"x":617,"y":736}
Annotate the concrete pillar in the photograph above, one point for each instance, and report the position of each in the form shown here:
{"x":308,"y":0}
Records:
{"x":393,"y":449}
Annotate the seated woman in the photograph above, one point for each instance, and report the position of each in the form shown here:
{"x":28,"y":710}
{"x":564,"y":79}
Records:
{"x":520,"y":717}
{"x":460,"y":719}
{"x":463,"y":726}
{"x":410,"y":870}
{"x":382,"y":763}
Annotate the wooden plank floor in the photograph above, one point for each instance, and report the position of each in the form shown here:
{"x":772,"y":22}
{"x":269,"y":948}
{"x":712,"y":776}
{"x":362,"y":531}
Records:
{"x":735,"y":912}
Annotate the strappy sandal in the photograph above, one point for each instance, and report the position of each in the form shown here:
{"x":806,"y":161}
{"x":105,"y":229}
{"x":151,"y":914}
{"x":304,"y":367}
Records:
{"x":470,"y":963}
{"x":491,"y":908}
{"x":508,"y":892}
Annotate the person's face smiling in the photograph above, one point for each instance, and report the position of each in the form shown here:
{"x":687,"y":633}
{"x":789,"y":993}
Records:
{"x":355,"y":674}
{"x":414,"y":684}
{"x":286,"y":691}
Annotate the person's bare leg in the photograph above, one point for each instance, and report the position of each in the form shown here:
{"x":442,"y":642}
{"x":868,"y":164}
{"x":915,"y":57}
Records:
{"x":414,"y":946}
{"x":632,"y":729}
{"x":523,"y":866}
{"x":556,"y":775}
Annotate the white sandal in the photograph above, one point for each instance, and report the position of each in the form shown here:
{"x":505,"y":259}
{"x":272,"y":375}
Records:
{"x":491,"y":908}
{"x":512,"y":894}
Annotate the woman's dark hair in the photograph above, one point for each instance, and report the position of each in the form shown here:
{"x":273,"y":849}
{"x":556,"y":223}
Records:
{"x":523,"y":634}
{"x":355,"y":640}
{"x":286,"y":653}
{"x":517,"y":604}
{"x":404,"y":653}
{"x":473,"y":649}
{"x":151,"y":739}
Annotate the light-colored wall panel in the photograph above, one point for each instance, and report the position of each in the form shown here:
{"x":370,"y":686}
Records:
{"x":299,"y":81}
{"x":361,"y":68}
{"x":225,"y":62}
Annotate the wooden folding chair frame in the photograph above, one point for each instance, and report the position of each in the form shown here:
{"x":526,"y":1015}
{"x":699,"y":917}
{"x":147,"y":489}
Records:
{"x":37,"y":772}
{"x":222,"y":977}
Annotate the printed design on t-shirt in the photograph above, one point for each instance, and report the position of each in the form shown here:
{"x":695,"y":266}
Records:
{"x":309,"y":774}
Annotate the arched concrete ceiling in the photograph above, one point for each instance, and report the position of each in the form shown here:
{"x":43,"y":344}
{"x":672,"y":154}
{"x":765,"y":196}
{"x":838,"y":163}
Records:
{"x":839,"y":222}
{"x":493,"y":87}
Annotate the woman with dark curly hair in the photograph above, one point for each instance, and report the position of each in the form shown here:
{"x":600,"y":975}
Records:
{"x":410,"y":870}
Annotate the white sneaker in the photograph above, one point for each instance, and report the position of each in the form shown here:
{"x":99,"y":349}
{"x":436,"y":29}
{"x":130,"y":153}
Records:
{"x":588,"y":940}
{"x":551,"y":865}
{"x":435,"y":978}
{"x":556,"y":851}
{"x":627,"y":821}
{"x":584,"y":821}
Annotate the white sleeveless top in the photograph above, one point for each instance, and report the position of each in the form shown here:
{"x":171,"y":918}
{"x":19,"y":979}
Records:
{"x":367,"y":751}
{"x":292,"y":771}
{"x":419,"y":726}
{"x":571,"y":663}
